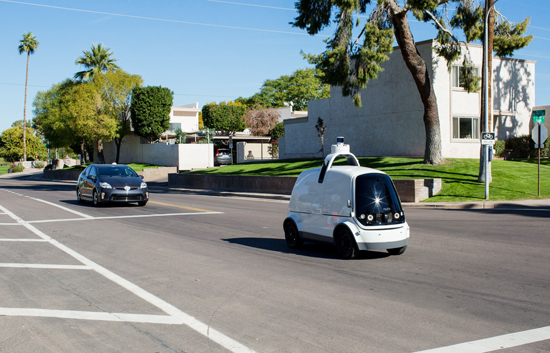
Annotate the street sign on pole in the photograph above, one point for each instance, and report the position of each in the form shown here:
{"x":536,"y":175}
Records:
{"x":539,"y":131}
{"x":539,"y":134}
{"x":487,"y":138}
{"x":538,"y":116}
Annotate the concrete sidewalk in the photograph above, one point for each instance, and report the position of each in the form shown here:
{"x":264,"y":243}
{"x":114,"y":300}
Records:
{"x":162,"y":186}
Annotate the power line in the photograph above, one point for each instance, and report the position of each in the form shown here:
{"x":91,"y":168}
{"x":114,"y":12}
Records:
{"x":238,"y":3}
{"x":156,"y":19}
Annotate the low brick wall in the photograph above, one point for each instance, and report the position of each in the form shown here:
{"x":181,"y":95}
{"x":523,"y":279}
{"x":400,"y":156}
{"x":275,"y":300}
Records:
{"x":60,"y":174}
{"x":416,"y":190}
{"x":410,"y":190}
{"x":148,"y":173}
{"x":237,"y":183}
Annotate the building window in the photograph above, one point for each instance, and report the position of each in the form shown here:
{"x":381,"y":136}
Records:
{"x":465,"y":128}
{"x":457,"y":76}
{"x":174,"y":126}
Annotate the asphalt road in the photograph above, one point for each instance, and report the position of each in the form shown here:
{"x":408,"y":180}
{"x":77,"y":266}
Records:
{"x":199,"y":273}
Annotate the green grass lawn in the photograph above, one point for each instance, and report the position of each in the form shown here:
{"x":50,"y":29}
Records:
{"x":512,"y":180}
{"x":4,"y":169}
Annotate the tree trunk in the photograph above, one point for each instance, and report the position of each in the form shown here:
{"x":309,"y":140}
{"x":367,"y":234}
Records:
{"x":83,"y":151}
{"x":489,"y":63}
{"x":100,"y":156}
{"x":417,"y":66}
{"x":118,"y":143}
{"x":25,"y":112}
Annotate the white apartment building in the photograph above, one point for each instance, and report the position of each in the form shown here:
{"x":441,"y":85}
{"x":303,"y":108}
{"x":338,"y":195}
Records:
{"x":390,"y":121}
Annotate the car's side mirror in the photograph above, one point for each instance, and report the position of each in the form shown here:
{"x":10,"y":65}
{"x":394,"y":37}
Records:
{"x":141,"y":176}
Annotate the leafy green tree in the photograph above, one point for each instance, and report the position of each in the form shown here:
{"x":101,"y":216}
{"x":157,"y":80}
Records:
{"x":115,"y":88}
{"x":70,"y":113}
{"x":299,"y":88}
{"x":95,"y":61}
{"x":150,"y":110}
{"x":349,"y":63}
{"x":277,"y":131}
{"x":27,"y":45}
{"x":226,"y":117}
{"x":11,"y":144}
{"x":50,"y":117}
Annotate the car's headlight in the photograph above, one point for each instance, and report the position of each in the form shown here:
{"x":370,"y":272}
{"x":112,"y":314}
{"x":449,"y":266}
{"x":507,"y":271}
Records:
{"x":105,"y":185}
{"x":143,"y":185}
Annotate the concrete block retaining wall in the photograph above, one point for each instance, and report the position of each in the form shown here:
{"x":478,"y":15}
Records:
{"x":148,"y":173}
{"x":410,"y":190}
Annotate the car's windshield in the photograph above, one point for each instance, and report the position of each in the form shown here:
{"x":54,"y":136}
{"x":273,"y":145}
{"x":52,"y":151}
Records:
{"x":375,"y":193}
{"x":120,"y":172}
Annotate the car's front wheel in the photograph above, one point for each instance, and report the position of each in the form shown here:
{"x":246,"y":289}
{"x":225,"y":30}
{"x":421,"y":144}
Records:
{"x":292,"y":236}
{"x":95,"y":198}
{"x":79,"y":196}
{"x":345,"y":244}
{"x":142,"y":203}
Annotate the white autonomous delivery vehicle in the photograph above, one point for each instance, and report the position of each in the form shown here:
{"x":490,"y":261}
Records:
{"x":353,"y":207}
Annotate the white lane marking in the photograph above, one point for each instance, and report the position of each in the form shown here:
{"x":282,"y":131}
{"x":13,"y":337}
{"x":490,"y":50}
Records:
{"x":46,"y":266}
{"x":496,"y":343}
{"x":10,"y":224}
{"x":51,"y":204}
{"x":37,"y":240}
{"x":90,"y":315}
{"x":120,"y":217}
{"x":61,"y":207}
{"x":182,"y":318}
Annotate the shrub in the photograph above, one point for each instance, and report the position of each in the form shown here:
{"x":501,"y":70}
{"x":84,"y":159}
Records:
{"x":17,"y":168}
{"x":524,"y":147}
{"x":39,"y":165}
{"x":499,"y":147}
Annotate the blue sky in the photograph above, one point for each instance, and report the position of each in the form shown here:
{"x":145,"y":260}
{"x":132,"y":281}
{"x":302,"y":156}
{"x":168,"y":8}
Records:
{"x":203,"y":50}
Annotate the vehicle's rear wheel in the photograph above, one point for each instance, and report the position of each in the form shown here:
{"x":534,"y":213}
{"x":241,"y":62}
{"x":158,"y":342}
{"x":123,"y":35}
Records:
{"x":292,"y":236}
{"x":397,"y":251}
{"x":79,"y":196}
{"x":142,"y":203}
{"x":96,"y":198}
{"x":345,"y":244}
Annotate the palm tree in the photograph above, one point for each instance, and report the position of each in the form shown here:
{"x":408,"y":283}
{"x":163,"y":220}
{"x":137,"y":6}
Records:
{"x":28,"y":45}
{"x":95,"y":61}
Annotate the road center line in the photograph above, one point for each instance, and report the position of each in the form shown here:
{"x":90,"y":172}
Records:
{"x":178,"y":206}
{"x":496,"y":343}
{"x":171,"y":310}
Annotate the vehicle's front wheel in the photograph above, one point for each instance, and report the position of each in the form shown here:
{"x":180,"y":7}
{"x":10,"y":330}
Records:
{"x":292,"y":236}
{"x":142,"y":203}
{"x":96,"y":198}
{"x":345,"y":244}
{"x":397,"y":251}
{"x":79,"y":196}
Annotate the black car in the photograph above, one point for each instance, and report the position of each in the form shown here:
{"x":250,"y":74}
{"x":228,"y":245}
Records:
{"x":101,"y":183}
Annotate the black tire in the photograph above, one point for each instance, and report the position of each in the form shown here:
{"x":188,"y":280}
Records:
{"x":345,"y":244}
{"x":292,"y":236}
{"x":95,"y":198}
{"x":79,"y":196}
{"x":397,"y":251}
{"x":142,"y":203}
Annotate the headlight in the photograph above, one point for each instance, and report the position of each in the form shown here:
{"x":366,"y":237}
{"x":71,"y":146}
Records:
{"x":143,"y":185}
{"x":105,"y":185}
